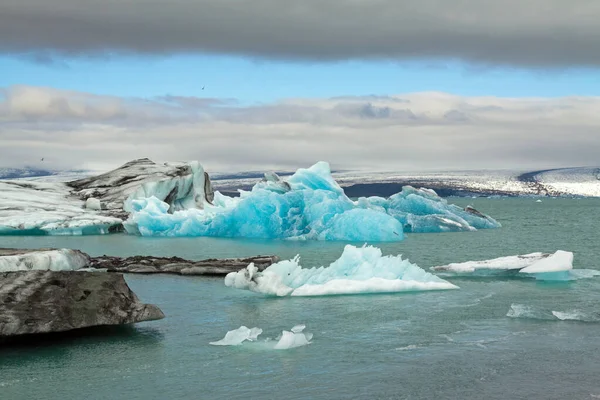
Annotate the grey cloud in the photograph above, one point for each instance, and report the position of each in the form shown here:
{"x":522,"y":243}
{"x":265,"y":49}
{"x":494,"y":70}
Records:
{"x":419,"y":131}
{"x":539,"y":33}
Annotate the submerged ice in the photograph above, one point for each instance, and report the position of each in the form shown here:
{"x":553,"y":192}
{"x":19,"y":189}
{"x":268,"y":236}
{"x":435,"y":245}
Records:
{"x":309,"y":205}
{"x":358,"y":270}
{"x":523,"y":311}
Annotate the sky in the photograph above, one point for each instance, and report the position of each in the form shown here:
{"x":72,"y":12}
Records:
{"x":394,"y":85}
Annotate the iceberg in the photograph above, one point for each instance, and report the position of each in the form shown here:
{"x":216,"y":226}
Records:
{"x":176,"y":199}
{"x":310,"y":205}
{"x":500,"y":264}
{"x":288,"y":339}
{"x":541,"y":266}
{"x":39,"y":208}
{"x":95,"y":205}
{"x":293,"y":338}
{"x":357,"y":271}
{"x":47,"y":260}
{"x":238,"y":336}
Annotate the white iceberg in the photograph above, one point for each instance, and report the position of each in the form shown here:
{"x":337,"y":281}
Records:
{"x":527,"y":263}
{"x":542,"y":266}
{"x":357,"y":271}
{"x":293,"y":338}
{"x":238,"y":336}
{"x":50,"y":260}
{"x":557,"y":262}
{"x":288,"y":339}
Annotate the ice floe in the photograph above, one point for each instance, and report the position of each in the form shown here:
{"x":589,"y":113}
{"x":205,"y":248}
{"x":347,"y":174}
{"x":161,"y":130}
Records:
{"x":287,"y":340}
{"x":359,"y":270}
{"x":238,"y":336}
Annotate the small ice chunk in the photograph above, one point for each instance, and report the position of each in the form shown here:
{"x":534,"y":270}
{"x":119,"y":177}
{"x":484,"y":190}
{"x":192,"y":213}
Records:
{"x":568,"y":315}
{"x":298,"y":328}
{"x":93,"y":204}
{"x":290,"y":340}
{"x":238,"y":336}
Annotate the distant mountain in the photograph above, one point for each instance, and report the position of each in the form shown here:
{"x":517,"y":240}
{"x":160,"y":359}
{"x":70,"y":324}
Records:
{"x":15,"y":173}
{"x":576,"y":181}
{"x":45,"y":175}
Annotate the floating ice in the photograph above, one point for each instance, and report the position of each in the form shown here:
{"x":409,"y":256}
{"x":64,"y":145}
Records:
{"x":528,"y":312}
{"x":357,"y":271}
{"x":51,"y":260}
{"x":237,"y":336}
{"x":309,"y":205}
{"x":288,"y":339}
{"x":557,"y":262}
{"x":543,"y":266}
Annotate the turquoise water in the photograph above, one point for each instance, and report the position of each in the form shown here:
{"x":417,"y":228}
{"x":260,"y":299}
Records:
{"x":451,"y":344}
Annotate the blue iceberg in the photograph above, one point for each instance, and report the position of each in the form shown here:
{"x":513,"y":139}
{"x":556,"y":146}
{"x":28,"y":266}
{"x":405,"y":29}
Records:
{"x":357,"y":271}
{"x":310,"y":205}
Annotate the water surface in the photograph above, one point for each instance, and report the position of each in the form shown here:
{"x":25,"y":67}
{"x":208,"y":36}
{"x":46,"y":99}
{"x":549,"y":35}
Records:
{"x":451,"y":344}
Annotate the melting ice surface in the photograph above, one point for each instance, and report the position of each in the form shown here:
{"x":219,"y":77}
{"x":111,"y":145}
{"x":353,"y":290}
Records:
{"x":309,"y":205}
{"x":358,"y":270}
{"x":288,"y":339}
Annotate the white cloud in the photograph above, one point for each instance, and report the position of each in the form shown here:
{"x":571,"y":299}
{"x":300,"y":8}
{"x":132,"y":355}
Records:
{"x":418,"y":131}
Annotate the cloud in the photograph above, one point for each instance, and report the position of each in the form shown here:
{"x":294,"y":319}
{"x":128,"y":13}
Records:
{"x":538,"y":33}
{"x":415,"y":131}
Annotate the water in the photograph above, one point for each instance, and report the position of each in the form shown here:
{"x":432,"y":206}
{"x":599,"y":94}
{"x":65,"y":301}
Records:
{"x":451,"y":344}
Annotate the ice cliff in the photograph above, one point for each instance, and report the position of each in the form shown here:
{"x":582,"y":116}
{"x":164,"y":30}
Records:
{"x":358,"y":270}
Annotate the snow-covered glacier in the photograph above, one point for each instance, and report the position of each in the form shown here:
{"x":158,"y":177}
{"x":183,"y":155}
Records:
{"x":359,"y":270}
{"x":308,"y":205}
